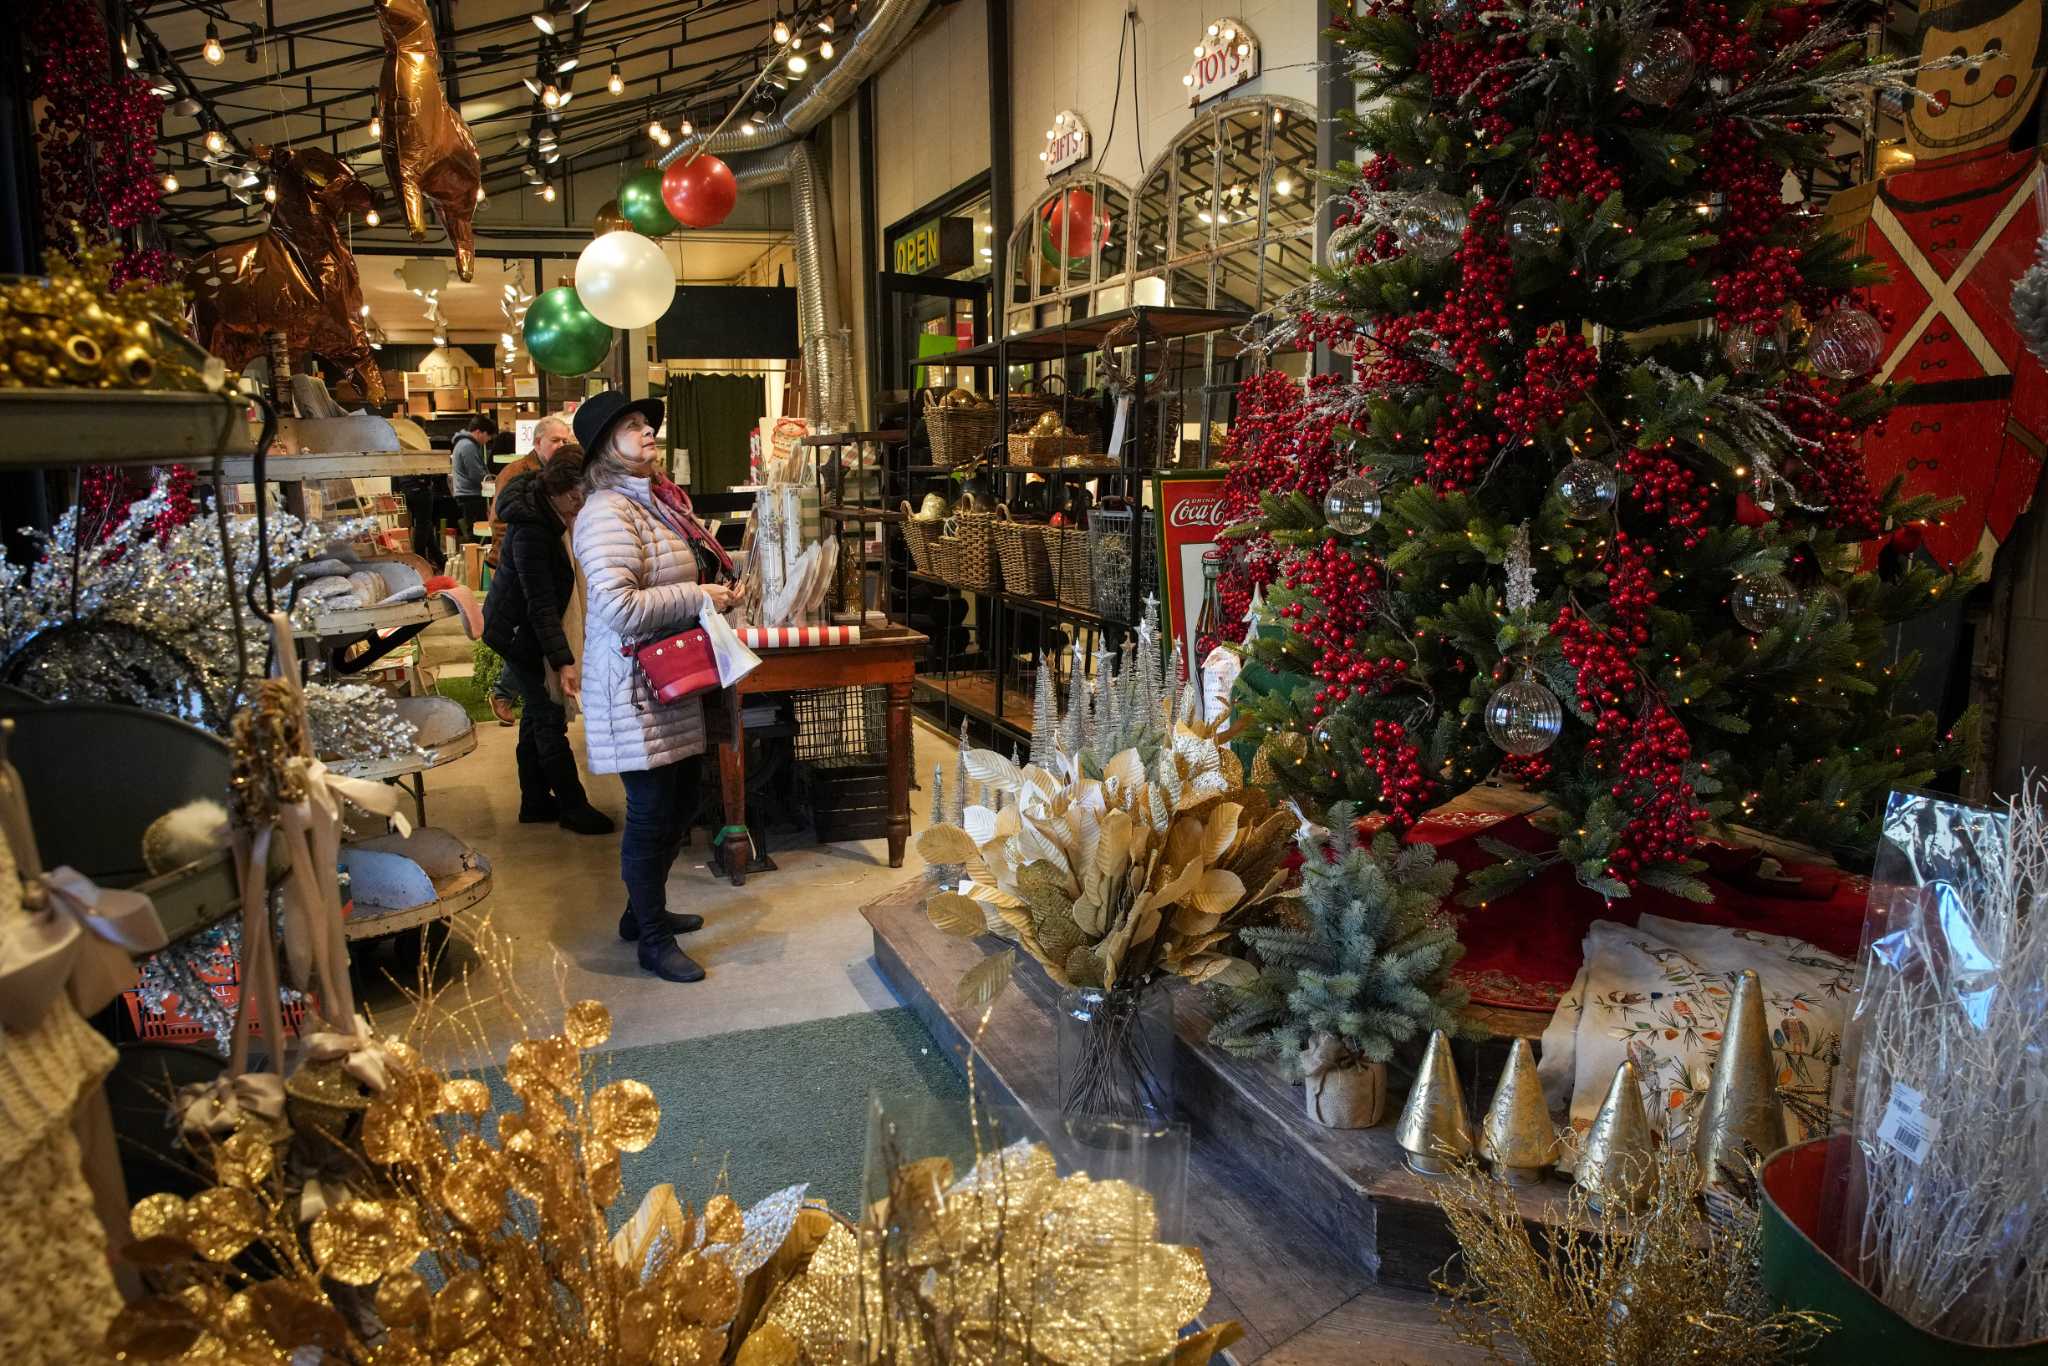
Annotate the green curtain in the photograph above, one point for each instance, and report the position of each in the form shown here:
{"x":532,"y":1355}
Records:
{"x":713,"y":417}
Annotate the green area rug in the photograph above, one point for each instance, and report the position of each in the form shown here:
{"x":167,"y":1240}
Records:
{"x":470,"y":694}
{"x":772,"y":1107}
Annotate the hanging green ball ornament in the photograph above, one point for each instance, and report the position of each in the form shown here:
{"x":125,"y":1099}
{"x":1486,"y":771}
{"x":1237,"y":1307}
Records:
{"x":1523,"y":717}
{"x":640,"y":201}
{"x":1352,"y":505}
{"x":1761,"y":601}
{"x":562,"y":336}
{"x":1587,"y":489}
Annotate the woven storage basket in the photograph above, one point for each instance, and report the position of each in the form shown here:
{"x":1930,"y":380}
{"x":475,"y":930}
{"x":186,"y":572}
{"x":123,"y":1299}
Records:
{"x":1073,"y":579}
{"x":976,"y":531}
{"x":1028,"y":448}
{"x":945,"y":556}
{"x":918,"y":534}
{"x":1020,"y":547}
{"x":958,"y":435}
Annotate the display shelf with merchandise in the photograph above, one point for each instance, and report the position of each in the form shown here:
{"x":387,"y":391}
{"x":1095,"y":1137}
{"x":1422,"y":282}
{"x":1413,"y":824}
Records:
{"x":316,"y":465}
{"x":358,"y":621}
{"x":455,"y":894}
{"x":64,"y":428}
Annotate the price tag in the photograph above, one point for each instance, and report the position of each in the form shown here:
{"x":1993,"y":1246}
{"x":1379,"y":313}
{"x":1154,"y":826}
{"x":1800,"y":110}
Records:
{"x":1906,"y":1125}
{"x":1116,"y":429}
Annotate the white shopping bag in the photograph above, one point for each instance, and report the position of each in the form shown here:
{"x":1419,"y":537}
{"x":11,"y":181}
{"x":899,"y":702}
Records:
{"x":735,"y":660}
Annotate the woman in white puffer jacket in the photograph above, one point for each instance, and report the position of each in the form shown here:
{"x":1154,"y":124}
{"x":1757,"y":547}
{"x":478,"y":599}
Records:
{"x":649,"y":568}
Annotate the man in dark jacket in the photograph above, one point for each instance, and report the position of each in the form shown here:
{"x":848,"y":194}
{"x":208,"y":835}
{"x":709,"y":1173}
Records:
{"x":523,"y":623}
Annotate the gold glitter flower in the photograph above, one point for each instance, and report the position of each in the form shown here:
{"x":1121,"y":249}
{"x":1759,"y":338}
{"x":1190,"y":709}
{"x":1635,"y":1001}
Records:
{"x":358,"y":1242}
{"x":222,"y":1221}
{"x":625,"y":1114}
{"x":588,"y":1024}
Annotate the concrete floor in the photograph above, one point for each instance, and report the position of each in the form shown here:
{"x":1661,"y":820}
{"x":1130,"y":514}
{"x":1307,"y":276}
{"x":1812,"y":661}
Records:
{"x":789,"y":946}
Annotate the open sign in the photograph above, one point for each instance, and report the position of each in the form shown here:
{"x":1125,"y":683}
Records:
{"x":1225,"y":58}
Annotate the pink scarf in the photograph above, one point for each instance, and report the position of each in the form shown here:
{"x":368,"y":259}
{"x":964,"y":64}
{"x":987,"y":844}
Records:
{"x":672,"y":505}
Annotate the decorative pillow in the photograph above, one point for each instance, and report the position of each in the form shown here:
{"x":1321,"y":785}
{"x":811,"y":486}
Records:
{"x":1659,"y":990}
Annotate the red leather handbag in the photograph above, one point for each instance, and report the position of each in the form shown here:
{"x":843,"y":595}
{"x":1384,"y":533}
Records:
{"x":677,"y":666}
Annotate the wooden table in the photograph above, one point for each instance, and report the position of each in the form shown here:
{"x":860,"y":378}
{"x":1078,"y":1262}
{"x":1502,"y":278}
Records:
{"x":885,"y":655}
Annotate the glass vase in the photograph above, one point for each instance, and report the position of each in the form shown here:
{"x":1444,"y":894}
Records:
{"x":1116,"y":1053}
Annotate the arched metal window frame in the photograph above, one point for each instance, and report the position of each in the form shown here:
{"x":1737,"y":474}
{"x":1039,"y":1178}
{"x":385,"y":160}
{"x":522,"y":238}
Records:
{"x":1024,"y":246}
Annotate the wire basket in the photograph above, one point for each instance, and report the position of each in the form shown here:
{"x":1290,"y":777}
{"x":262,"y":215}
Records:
{"x":1020,"y":547}
{"x":1112,"y":556}
{"x":959,"y":434}
{"x":842,"y":724}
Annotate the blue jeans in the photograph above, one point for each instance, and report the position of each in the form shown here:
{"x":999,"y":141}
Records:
{"x":659,"y":805}
{"x":506,"y":686}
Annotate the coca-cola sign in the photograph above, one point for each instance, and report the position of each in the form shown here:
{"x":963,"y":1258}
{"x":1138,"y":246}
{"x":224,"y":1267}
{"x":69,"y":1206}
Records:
{"x":1226,"y":57}
{"x":1196,"y":512}
{"x":1066,"y":142}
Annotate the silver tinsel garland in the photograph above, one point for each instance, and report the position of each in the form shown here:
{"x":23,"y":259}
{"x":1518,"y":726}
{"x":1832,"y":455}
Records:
{"x":355,"y":721}
{"x":182,"y":971}
{"x":2030,"y":303}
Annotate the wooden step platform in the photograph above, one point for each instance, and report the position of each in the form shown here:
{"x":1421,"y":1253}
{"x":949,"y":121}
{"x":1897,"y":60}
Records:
{"x":1318,"y":1241}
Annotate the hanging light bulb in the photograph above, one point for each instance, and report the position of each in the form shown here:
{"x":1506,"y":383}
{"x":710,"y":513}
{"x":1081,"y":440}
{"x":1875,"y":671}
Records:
{"x":270,"y":194}
{"x":797,"y":65}
{"x":617,"y":83}
{"x":547,"y":192}
{"x":657,"y":132}
{"x":371,"y":220}
{"x":747,"y":127}
{"x":364,"y":310}
{"x":128,"y":57}
{"x":781,"y":31}
{"x":685,"y":128}
{"x":551,"y":97}
{"x":825,"y":50}
{"x":170,"y":182}
{"x":376,"y":124}
{"x":215,"y":143}
{"x":213,"y":52}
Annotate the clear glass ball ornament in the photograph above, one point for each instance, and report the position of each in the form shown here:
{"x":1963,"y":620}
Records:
{"x":1761,"y":601}
{"x":1323,"y":735}
{"x":1752,"y":348}
{"x":1352,"y":505}
{"x":1533,"y":224}
{"x":1829,"y":607}
{"x":1455,"y":15}
{"x":1523,"y":717}
{"x":1847,"y":343}
{"x":1431,"y":225}
{"x":1658,"y":67}
{"x":1587,"y":489}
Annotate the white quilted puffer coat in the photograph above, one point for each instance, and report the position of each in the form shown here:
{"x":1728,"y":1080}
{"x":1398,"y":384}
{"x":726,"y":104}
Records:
{"x":641,"y":584}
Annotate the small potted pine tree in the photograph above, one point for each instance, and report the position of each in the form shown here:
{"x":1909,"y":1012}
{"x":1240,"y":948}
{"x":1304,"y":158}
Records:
{"x":1360,"y":965}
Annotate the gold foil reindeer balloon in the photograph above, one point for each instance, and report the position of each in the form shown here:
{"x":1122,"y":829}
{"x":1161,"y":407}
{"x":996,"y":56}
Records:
{"x":428,"y":152}
{"x":298,"y":278}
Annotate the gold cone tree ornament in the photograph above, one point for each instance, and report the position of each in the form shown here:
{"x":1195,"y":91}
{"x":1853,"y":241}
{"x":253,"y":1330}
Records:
{"x":1741,"y":1108}
{"x":1617,"y":1166}
{"x":1434,"y":1130}
{"x":1517,"y":1138}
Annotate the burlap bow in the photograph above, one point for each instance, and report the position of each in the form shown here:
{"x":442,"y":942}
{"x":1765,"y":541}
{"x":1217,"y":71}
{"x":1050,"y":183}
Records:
{"x":215,"y":1109}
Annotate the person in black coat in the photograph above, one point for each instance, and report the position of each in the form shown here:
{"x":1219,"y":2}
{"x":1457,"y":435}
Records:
{"x":523,"y":623}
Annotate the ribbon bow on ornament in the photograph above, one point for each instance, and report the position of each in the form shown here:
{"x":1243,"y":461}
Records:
{"x":362,"y":1054}
{"x":217,"y":1108}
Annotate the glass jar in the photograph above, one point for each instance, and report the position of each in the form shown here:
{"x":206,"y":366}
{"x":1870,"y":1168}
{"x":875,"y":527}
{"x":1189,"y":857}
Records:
{"x":1116,"y":1050}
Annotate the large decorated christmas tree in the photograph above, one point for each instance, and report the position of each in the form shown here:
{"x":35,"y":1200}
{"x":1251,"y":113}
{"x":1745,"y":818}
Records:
{"x":1590,"y":514}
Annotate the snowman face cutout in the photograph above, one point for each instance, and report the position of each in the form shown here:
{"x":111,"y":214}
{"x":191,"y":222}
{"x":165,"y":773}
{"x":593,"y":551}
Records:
{"x":1977,"y":106}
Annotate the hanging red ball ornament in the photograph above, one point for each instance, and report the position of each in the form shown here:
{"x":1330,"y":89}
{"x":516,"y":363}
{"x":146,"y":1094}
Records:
{"x":699,"y":191}
{"x":1071,"y":228}
{"x":1749,"y":512}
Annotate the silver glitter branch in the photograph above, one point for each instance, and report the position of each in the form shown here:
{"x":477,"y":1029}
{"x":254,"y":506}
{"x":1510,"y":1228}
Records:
{"x":1521,"y":572}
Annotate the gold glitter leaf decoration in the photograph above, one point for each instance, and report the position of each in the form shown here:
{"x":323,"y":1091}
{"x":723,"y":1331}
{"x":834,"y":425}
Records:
{"x":704,"y":1289}
{"x":603,"y":1178}
{"x":982,"y":983}
{"x":155,"y":1329}
{"x":403,"y":1300}
{"x":244,"y":1159}
{"x":625,"y":1114}
{"x":392,"y":1133}
{"x":222,"y":1221}
{"x":723,"y":1221}
{"x":474,"y":1189}
{"x":462,"y":1308}
{"x":361,"y":1241}
{"x":465,"y":1096}
{"x":290,"y":1317}
{"x":536,"y":1162}
{"x":158,"y":1216}
{"x":588,"y":1024}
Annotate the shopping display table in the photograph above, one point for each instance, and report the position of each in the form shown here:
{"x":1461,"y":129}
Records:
{"x":1319,"y":1241}
{"x":884,"y":655}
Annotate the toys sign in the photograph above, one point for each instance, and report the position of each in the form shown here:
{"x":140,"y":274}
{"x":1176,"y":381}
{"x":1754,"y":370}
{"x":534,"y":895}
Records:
{"x":1226,"y":57}
{"x":1066,"y":143}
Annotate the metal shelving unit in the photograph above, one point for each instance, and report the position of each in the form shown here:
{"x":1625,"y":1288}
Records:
{"x":994,"y":702}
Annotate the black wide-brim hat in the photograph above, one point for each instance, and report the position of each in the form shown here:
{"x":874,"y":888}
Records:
{"x":598,"y":414}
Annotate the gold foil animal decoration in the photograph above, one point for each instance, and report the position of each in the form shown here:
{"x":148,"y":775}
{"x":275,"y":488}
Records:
{"x":298,"y":278}
{"x":428,"y":150}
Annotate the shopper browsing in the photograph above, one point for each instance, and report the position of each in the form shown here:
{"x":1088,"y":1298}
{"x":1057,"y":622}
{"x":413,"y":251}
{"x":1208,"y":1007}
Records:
{"x":650,"y":569}
{"x":550,"y":435}
{"x":469,"y":464}
{"x":523,"y":623}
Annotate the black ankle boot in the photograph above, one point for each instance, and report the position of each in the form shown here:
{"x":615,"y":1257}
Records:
{"x":572,"y":809}
{"x":669,"y":921}
{"x":660,"y":955}
{"x":537,"y":804}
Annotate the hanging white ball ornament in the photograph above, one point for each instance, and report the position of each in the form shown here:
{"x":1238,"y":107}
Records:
{"x":625,"y":280}
{"x":1523,"y":717}
{"x":1846,"y":344}
{"x":1352,"y":505}
{"x":1431,"y":225}
{"x":1761,"y":601}
{"x":1752,"y":348}
{"x":1587,"y":489}
{"x":1829,"y":606}
{"x":1658,"y":67}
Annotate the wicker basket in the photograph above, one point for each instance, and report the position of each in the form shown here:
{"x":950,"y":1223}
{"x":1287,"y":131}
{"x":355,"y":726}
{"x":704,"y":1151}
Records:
{"x":959,"y":435}
{"x":1030,"y":448}
{"x":1020,"y":547}
{"x":918,"y":534}
{"x":945,"y":557}
{"x":977,"y":532}
{"x":1073,"y":579}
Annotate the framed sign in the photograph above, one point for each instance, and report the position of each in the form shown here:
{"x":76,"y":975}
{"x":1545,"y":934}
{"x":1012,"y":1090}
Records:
{"x":937,"y":246}
{"x":1225,"y":58}
{"x":1066,"y":143}
{"x":1187,"y":507}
